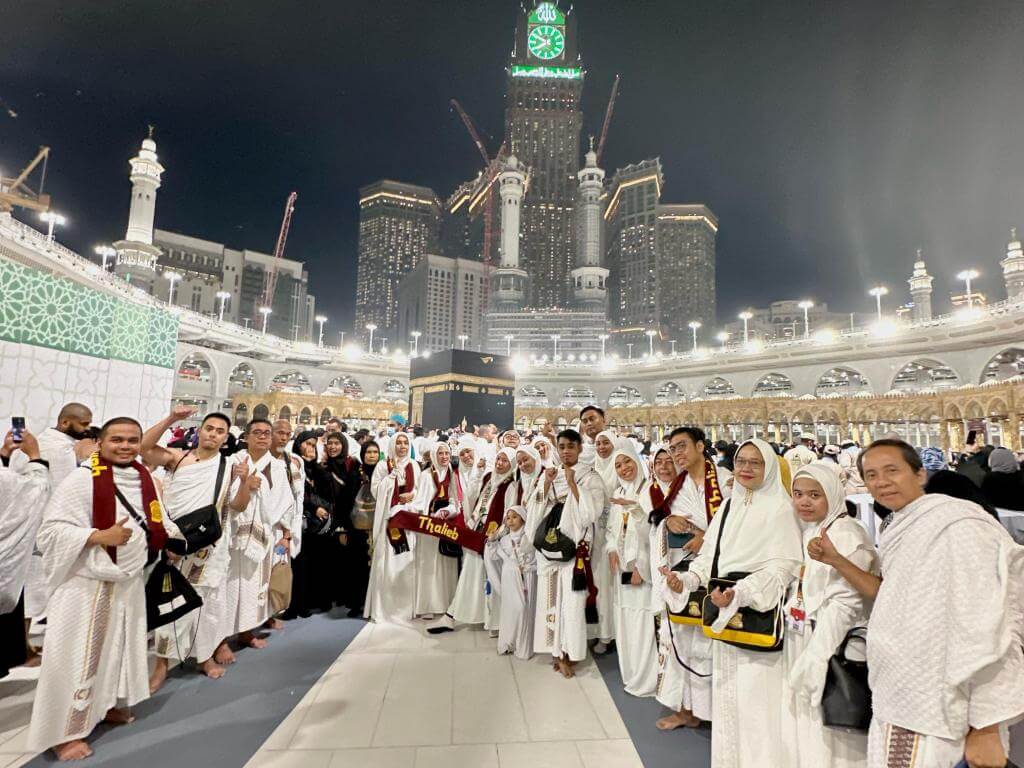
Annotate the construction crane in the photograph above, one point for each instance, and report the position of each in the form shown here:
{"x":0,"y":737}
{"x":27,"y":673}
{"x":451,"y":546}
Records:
{"x":282,"y":238}
{"x":607,"y":119}
{"x":492,"y":167}
{"x":15,"y":192}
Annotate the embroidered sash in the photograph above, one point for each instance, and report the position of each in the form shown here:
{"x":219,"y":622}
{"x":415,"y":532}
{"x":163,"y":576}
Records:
{"x":452,"y":531}
{"x":396,"y":536}
{"x":104,"y":513}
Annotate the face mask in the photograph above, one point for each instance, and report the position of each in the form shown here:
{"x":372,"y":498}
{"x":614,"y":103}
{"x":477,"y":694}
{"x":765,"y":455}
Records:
{"x":391,"y":431}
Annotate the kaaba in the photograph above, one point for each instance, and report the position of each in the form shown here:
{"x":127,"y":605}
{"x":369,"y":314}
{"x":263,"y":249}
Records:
{"x":458,"y":384}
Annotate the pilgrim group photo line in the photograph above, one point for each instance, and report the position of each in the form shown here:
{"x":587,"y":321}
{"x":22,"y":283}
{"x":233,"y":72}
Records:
{"x":802,"y":606}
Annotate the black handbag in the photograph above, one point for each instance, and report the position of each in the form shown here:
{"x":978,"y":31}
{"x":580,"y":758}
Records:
{"x":748,"y":629}
{"x":169,"y":596}
{"x":550,"y":541}
{"x":846,"y":700}
{"x":314,"y":524}
{"x":202,"y":527}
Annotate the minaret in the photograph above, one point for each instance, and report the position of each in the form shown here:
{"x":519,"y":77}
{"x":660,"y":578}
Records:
{"x":921,"y":290}
{"x":589,"y":279}
{"x":136,"y":254}
{"x":1013,"y":268}
{"x":509,"y":282}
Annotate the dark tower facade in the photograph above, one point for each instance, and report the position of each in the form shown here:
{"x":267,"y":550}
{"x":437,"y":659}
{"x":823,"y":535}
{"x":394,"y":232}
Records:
{"x":542,"y":129}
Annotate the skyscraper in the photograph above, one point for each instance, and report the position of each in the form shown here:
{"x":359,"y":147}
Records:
{"x":684,"y":244}
{"x":398,"y":224}
{"x":542,"y":129}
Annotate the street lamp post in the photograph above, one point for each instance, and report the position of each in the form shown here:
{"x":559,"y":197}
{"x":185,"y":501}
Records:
{"x":629,"y":350}
{"x":508,"y":344}
{"x":723,"y":336}
{"x":554,"y":354}
{"x":967,"y":275}
{"x":694,"y":325}
{"x":172,"y":278}
{"x":223,"y":296}
{"x":463,"y":338}
{"x":673,"y":347}
{"x":384,"y":345}
{"x":745,"y":317}
{"x":52,"y":219}
{"x":650,"y":341}
{"x":806,"y":305}
{"x":106,"y":252}
{"x":321,"y":320}
{"x":371,"y":327}
{"x":878,"y":292}
{"x":604,"y":338}
{"x":265,"y":311}
{"x":341,"y":339}
{"x":415,"y":342}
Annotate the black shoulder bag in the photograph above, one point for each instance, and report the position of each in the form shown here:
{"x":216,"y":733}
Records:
{"x":549,"y":539}
{"x":748,"y":629}
{"x":846,"y":700}
{"x":202,"y":527}
{"x":169,"y":596}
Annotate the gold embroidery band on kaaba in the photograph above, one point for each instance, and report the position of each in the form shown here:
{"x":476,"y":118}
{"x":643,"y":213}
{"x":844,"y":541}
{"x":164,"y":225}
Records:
{"x":456,"y":378}
{"x":99,"y":620}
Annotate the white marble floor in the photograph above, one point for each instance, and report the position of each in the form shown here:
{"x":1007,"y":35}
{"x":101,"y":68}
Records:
{"x":16,"y":694}
{"x":399,"y":698}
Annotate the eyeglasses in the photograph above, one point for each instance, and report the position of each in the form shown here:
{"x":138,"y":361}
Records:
{"x":748,"y":463}
{"x":677,"y":447}
{"x":259,"y":433}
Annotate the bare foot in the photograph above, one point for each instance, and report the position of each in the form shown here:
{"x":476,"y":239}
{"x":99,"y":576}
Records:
{"x":223,"y":655}
{"x":34,"y":661}
{"x":249,"y":639}
{"x":566,"y":668}
{"x":156,"y":680}
{"x":555,"y":665}
{"x":212,"y":669}
{"x":275,"y":624}
{"x":72,"y":750}
{"x":677,"y":720}
{"x":119,"y":717}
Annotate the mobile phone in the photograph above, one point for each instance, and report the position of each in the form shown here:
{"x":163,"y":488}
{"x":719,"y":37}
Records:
{"x":17,"y":428}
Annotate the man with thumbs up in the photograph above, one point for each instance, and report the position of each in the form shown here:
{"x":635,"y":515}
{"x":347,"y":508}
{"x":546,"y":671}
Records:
{"x":101,"y":526}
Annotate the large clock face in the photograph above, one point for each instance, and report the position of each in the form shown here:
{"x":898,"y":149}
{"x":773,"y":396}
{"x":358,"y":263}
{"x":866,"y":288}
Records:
{"x":546,"y":41}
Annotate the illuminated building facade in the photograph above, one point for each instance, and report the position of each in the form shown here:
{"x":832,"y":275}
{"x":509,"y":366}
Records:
{"x":542,"y":129}
{"x":441,"y":299}
{"x":398,"y":224}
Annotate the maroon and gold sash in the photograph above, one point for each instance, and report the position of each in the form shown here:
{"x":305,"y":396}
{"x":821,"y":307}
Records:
{"x":104,"y":513}
{"x":396,"y":536}
{"x":712,"y":494}
{"x":453,"y":531}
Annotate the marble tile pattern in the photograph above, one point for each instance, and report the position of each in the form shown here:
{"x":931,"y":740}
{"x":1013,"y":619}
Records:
{"x":61,"y":341}
{"x":36,"y":381}
{"x":399,"y":698}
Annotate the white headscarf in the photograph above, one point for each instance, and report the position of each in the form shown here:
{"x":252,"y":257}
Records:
{"x":606,"y":467}
{"x":847,"y":538}
{"x":432,"y":450}
{"x":633,"y":488}
{"x":760,"y":526}
{"x":529,"y":481}
{"x":552,"y":460}
{"x":399,"y":463}
{"x":510,"y":454}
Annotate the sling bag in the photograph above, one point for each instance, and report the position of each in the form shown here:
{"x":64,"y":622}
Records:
{"x":200,"y":528}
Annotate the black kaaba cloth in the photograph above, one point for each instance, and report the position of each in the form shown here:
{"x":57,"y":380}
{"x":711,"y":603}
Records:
{"x":457,"y":384}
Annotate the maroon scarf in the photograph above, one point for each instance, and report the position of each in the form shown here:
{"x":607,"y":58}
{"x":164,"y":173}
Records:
{"x":443,"y":495}
{"x":399,"y":543}
{"x":104,"y":504}
{"x":662,"y":504}
{"x":496,"y":508}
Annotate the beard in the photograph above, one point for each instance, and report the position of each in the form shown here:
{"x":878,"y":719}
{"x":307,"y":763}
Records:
{"x":77,"y":434}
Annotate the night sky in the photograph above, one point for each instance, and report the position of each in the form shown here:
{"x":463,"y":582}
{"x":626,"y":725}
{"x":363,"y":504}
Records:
{"x":830,"y":138}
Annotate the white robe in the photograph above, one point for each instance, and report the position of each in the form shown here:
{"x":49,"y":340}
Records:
{"x":628,"y":536}
{"x":296,"y":469}
{"x":23,"y":492}
{"x":391,"y":594}
{"x":96,"y":620}
{"x":198,"y":633}
{"x":470,"y":604}
{"x":952,"y":569}
{"x":833,"y":607}
{"x":254,"y":533}
{"x":58,"y":450}
{"x":436,"y":574}
{"x":512,"y":572}
{"x":761,"y":538}
{"x":560,"y":626}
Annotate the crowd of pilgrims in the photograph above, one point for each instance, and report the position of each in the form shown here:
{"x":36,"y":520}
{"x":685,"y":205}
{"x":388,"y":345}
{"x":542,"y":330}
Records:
{"x":733,"y":582}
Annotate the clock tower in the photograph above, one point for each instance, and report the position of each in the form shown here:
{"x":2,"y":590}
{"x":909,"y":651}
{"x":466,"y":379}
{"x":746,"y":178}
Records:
{"x":542,"y":129}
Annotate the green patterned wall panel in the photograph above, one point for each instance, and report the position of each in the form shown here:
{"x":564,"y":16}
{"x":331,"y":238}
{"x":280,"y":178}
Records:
{"x":40,"y":309}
